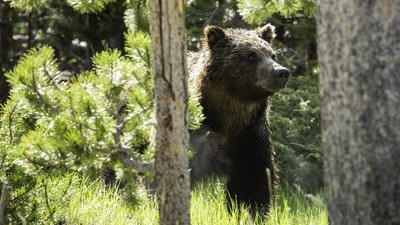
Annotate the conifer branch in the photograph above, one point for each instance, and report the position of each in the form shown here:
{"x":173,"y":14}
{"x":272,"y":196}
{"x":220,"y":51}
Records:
{"x":121,"y":151}
{"x":131,"y":163}
{"x":10,"y":121}
{"x":34,"y":85}
{"x":51,"y":79}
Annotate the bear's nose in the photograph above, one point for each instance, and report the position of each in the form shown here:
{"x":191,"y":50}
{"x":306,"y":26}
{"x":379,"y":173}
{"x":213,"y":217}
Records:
{"x":282,"y":75}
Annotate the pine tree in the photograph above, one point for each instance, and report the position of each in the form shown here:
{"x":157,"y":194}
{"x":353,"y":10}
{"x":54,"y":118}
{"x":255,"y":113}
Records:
{"x":257,"y":11}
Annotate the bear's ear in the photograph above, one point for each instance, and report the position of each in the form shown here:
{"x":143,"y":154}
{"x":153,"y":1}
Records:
{"x":266,"y":32}
{"x":213,"y":34}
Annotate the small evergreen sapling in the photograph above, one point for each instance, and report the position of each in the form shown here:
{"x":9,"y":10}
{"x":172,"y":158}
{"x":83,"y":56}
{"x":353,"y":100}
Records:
{"x":101,"y":117}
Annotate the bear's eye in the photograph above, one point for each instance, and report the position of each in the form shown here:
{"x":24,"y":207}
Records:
{"x":252,"y":57}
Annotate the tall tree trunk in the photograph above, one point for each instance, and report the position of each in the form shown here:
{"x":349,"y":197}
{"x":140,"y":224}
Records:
{"x":168,"y":35}
{"x":6,"y":48}
{"x":4,"y":201}
{"x":359,"y":58}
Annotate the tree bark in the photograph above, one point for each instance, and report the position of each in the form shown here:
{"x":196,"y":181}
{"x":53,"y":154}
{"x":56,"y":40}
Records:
{"x":6,"y":48}
{"x":359,"y":58}
{"x":4,"y":201}
{"x":168,"y":37}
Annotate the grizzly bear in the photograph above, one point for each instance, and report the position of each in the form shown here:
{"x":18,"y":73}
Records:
{"x":234,"y":74}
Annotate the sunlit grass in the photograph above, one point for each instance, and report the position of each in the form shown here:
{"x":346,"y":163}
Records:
{"x":93,"y":204}
{"x":293,"y":207}
{"x":290,"y":207}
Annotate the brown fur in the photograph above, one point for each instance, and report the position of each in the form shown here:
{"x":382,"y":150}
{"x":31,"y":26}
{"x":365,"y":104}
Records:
{"x":235,"y":73}
{"x":213,"y":80}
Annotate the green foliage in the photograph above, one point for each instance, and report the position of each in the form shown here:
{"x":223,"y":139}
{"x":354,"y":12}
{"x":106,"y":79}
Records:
{"x":196,"y":115}
{"x":74,"y":122}
{"x":74,"y":36}
{"x":257,"y":11}
{"x":83,"y":6}
{"x":295,"y":122}
{"x":89,"y":6}
{"x":39,"y":199}
{"x":52,"y":127}
{"x":137,"y":16}
{"x":28,"y":5}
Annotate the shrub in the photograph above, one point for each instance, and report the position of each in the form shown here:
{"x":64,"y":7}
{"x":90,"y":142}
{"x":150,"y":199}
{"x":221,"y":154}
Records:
{"x":296,"y":135}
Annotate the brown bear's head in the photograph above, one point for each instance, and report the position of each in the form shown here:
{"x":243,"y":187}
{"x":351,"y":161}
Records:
{"x":242,"y":62}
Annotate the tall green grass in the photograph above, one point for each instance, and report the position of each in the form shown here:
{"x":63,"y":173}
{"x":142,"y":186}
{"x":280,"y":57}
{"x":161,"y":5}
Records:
{"x":94,"y":204}
{"x":289,"y":208}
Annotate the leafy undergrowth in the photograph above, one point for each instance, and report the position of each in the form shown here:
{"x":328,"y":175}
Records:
{"x":93,"y":204}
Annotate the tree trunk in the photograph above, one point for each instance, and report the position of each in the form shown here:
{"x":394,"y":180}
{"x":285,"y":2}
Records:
{"x":359,"y":58}
{"x":168,"y":35}
{"x":6,"y":48}
{"x":4,"y":201}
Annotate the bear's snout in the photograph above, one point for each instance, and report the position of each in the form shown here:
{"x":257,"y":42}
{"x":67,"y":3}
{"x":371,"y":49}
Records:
{"x":281,"y":75}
